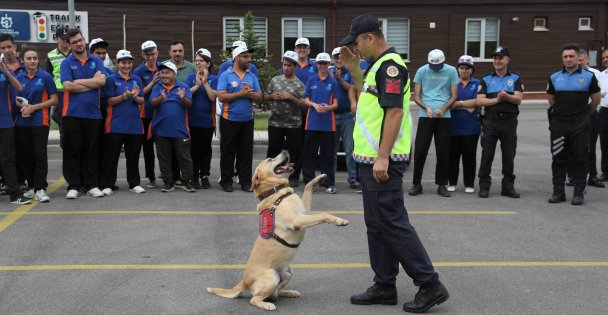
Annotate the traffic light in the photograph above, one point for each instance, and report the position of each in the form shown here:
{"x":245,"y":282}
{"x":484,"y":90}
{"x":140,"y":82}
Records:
{"x":41,"y":26}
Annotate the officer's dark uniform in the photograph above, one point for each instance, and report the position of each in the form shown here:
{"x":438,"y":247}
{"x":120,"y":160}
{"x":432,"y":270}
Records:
{"x":391,"y":238}
{"x":569,"y":125}
{"x":499,"y":123}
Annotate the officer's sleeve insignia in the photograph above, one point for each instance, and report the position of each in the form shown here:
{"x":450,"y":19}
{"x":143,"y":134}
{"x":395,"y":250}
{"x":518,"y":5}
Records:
{"x":392,"y":86}
{"x":392,"y":71}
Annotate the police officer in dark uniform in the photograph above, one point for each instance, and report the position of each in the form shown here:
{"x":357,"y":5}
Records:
{"x":500,"y":94}
{"x":382,"y":145}
{"x":569,"y":90}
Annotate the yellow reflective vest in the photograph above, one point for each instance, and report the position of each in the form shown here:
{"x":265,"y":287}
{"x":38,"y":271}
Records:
{"x":56,"y":57}
{"x":368,"y":124}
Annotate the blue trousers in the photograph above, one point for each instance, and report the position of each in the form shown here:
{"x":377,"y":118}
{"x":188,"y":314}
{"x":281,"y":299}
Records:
{"x":345,"y":123}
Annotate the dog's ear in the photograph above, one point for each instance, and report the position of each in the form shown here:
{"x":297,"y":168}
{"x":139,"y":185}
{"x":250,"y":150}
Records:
{"x":255,"y":181}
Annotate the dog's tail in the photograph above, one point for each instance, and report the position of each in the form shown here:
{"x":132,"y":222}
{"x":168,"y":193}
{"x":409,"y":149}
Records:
{"x":228,"y":293}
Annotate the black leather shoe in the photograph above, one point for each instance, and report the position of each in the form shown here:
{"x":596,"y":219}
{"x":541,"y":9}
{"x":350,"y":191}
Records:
{"x":570,"y":182}
{"x":443,"y":191}
{"x":484,"y":193}
{"x":578,"y":200}
{"x":246,"y":187}
{"x":511,"y":193}
{"x":427,"y":297}
{"x":595,"y":182}
{"x":557,"y":198}
{"x":376,"y":294}
{"x":603,"y":177}
{"x":227,"y":188}
{"x":415,"y":190}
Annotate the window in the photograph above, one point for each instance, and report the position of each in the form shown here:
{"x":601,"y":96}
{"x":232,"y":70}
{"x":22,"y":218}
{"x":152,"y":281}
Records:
{"x":311,"y":28}
{"x":232,"y":25}
{"x":584,"y":24}
{"x":481,"y":37}
{"x":397,"y":34}
{"x":540,"y":24}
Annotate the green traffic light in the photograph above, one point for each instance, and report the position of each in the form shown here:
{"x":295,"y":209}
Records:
{"x":42,"y":35}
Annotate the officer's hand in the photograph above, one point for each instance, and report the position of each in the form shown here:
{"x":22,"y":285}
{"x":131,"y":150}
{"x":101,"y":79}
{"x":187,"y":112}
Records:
{"x":349,"y":59}
{"x":380,"y":170}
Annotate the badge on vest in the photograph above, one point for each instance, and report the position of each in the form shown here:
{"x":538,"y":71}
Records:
{"x":510,"y":82}
{"x":392,"y":71}
{"x":266,"y":223}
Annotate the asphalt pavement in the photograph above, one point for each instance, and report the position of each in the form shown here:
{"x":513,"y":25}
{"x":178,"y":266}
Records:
{"x":156,"y":253}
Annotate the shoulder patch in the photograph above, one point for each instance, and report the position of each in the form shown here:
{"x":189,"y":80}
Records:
{"x":392,"y":71}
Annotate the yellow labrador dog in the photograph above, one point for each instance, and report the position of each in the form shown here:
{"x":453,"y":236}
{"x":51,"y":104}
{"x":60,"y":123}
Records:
{"x":283,"y":218}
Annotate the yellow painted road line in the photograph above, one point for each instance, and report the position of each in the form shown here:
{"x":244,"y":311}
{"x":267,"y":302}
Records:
{"x":24,"y":209}
{"x":172,"y":212}
{"x":530,"y":264}
{"x":337,"y":181}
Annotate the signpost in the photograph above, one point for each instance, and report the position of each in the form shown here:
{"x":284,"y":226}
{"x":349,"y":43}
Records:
{"x":39,"y":26}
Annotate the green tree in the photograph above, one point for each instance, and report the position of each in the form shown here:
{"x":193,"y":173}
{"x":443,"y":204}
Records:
{"x":261,"y":59}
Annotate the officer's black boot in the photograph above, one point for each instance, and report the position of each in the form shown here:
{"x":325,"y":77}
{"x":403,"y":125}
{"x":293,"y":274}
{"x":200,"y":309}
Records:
{"x":509,"y":192}
{"x":427,"y":297}
{"x":484,"y":191}
{"x":376,"y":294}
{"x":415,"y":190}
{"x":557,"y":197}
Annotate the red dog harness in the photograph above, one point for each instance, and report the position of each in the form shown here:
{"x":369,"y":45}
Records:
{"x":266,"y":223}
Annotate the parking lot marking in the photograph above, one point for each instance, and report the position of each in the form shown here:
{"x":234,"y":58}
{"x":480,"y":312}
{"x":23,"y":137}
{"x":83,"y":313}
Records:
{"x":13,"y":216}
{"x":519,"y":264}
{"x":185,"y":212}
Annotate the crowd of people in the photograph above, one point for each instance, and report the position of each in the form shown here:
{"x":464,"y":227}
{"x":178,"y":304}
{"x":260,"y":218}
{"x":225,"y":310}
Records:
{"x":172,"y":107}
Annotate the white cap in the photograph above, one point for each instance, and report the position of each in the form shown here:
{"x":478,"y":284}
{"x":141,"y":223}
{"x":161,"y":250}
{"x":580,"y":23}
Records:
{"x":436,"y":57}
{"x":169,"y":65}
{"x":323,"y":57}
{"x":238,"y":43}
{"x":123,"y":54}
{"x":302,"y":41}
{"x":204,"y":52}
{"x":291,"y":55}
{"x":336,"y":51}
{"x":148,"y":45}
{"x":241,"y":49}
{"x":98,"y":41}
{"x":466,"y":60}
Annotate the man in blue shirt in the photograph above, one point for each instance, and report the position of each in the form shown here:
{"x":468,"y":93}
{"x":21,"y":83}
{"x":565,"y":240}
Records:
{"x":500,"y":94}
{"x":237,"y":89}
{"x":320,"y":125}
{"x":435,"y":92}
{"x":228,"y":64}
{"x":171,"y":97}
{"x":82,"y":76}
{"x":345,"y":118}
{"x":569,"y":90}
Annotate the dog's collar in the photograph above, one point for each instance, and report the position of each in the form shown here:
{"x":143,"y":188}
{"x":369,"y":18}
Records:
{"x":270,"y":192}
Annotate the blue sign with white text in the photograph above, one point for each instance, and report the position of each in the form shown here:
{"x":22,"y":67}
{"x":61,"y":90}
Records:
{"x":16,"y":24}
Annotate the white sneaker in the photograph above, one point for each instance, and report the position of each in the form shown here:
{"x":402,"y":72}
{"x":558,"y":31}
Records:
{"x":469,"y":190}
{"x":95,"y":192}
{"x":452,"y":188}
{"x":137,"y":190}
{"x":236,"y":179}
{"x":29,"y":194}
{"x":105,"y":192}
{"x":72,"y":194}
{"x":41,"y":196}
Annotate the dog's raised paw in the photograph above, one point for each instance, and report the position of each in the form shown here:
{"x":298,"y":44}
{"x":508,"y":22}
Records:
{"x":317,"y":181}
{"x":289,"y":293}
{"x":342,"y":222}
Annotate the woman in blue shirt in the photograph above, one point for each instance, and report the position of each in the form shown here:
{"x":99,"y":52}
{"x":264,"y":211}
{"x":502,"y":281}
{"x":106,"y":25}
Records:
{"x":32,"y":125}
{"x":465,"y":127}
{"x":201,"y":117}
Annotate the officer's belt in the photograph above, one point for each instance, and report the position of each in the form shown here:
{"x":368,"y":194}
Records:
{"x":565,"y":118}
{"x":499,"y":116}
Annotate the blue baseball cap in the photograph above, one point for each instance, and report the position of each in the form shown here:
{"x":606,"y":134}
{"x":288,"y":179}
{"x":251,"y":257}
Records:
{"x":362,"y":24}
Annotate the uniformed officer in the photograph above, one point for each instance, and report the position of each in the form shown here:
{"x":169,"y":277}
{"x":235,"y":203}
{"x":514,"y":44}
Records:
{"x":500,"y":94}
{"x":569,"y":90}
{"x":53,"y":66}
{"x":382,"y":145}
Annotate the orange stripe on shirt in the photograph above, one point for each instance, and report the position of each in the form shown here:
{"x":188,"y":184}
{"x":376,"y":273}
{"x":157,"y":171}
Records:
{"x":225,"y":114}
{"x":333,"y":117}
{"x":45,"y":111}
{"x":307,"y":114}
{"x":109,"y":119}
{"x":66,"y":101}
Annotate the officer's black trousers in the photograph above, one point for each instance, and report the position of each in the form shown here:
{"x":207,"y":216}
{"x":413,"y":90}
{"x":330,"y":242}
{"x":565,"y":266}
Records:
{"x":492,"y":131}
{"x":392,"y":240}
{"x":80,"y":145}
{"x":599,"y":129}
{"x":569,"y":137}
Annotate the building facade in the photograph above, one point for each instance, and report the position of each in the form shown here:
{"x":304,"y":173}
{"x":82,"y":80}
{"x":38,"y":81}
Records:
{"x":533,"y":30}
